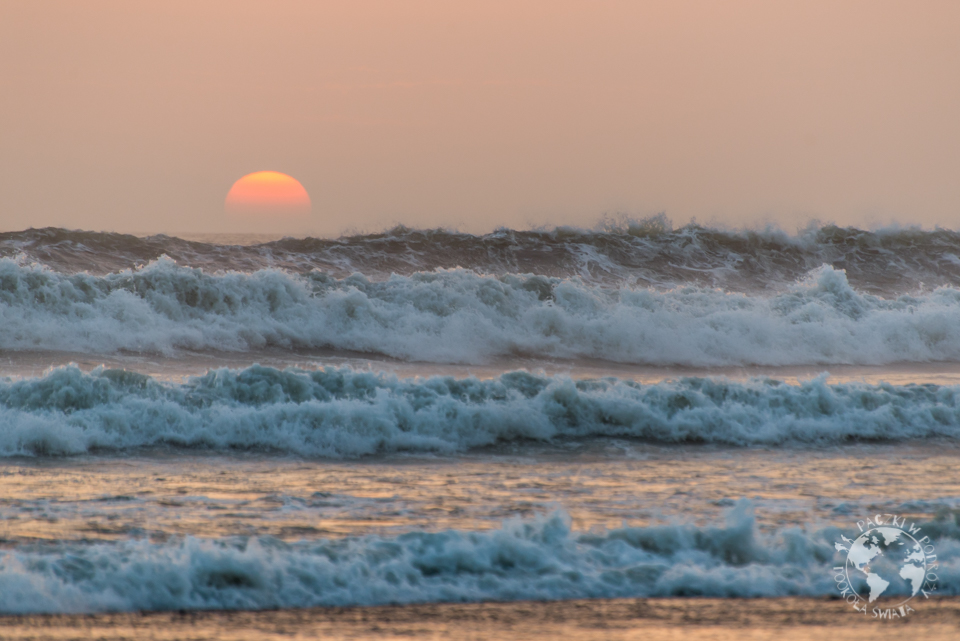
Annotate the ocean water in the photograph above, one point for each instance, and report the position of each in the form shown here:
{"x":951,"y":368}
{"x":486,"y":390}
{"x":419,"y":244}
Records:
{"x":598,"y":433}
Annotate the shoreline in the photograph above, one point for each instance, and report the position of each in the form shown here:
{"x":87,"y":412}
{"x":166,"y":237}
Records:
{"x":790,"y":618}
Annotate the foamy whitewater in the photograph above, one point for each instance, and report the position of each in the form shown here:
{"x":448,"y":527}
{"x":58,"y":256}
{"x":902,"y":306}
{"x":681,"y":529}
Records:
{"x":458,"y":316}
{"x":539,"y":558}
{"x":287,"y":486}
{"x":339,"y":413}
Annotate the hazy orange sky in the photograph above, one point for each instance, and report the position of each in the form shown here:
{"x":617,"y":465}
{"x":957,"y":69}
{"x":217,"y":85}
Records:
{"x":139,"y":116}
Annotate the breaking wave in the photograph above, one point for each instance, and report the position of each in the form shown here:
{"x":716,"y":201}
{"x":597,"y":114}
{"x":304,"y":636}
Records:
{"x":342,"y":413}
{"x":637,"y":253}
{"x":458,"y":316}
{"x":539,"y":558}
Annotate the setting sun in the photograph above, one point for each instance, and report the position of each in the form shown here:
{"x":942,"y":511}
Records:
{"x":267,"y":193}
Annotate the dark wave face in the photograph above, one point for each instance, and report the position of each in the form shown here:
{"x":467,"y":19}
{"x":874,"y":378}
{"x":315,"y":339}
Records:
{"x":644,"y":253}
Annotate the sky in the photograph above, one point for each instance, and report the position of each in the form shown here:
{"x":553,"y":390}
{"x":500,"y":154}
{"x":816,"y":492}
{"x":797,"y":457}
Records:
{"x":139,"y":116}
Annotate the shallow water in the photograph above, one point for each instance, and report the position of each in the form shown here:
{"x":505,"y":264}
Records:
{"x":183,"y":364}
{"x":604,"y":484}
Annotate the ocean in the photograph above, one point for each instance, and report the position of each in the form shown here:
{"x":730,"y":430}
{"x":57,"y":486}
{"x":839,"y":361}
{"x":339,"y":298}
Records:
{"x":628,"y":432}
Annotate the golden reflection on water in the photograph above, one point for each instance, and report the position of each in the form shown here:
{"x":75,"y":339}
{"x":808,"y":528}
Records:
{"x":185,"y":364}
{"x":602,"y":486}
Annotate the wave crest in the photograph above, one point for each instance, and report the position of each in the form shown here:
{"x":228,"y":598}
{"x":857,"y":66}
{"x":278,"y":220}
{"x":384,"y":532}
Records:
{"x":634,"y":252}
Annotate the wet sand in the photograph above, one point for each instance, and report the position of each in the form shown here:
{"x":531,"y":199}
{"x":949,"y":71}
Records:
{"x":787,"y":619}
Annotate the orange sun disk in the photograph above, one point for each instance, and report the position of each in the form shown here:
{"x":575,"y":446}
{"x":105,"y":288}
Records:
{"x":267,"y":194}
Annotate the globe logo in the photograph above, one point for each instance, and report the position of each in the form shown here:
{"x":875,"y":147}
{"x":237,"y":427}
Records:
{"x":886,"y":560}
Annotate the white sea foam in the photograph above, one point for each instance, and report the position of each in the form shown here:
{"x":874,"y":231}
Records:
{"x":341,"y":413}
{"x":459,"y":316}
{"x":539,"y":558}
